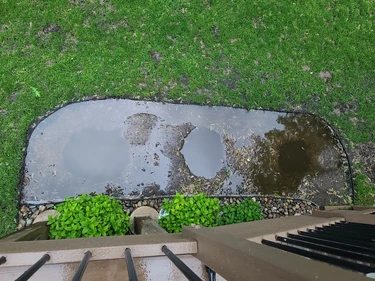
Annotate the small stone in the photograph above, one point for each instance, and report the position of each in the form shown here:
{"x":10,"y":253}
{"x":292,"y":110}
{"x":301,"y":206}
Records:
{"x":29,"y":221}
{"x":35,"y":215}
{"x":44,"y":216}
{"x":24,"y":209}
{"x":42,"y":208}
{"x":22,"y":222}
{"x":139,"y":204}
{"x":49,"y":206}
{"x":297,"y":206}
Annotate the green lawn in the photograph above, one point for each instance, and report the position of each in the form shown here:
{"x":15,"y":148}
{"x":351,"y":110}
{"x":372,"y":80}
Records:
{"x":267,"y":54}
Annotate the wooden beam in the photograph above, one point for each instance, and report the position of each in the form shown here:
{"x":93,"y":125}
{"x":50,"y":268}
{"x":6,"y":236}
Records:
{"x":146,"y":225}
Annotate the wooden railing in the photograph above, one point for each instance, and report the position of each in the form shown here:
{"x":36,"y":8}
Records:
{"x":234,"y":252}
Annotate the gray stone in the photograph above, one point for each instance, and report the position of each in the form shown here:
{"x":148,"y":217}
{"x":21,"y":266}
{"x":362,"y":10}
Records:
{"x":29,"y":221}
{"x":36,"y":213}
{"x":44,"y":216}
{"x":22,"y":222}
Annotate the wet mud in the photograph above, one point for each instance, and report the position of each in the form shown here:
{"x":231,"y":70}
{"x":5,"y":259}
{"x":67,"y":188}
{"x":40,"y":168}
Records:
{"x":146,"y":149}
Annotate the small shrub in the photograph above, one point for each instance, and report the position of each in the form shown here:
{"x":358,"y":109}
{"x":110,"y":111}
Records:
{"x":245,"y":211}
{"x":182,"y":210}
{"x":89,"y":216}
{"x":364,"y":191}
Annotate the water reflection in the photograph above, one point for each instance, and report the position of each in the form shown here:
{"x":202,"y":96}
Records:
{"x":282,"y":158}
{"x":151,"y":149}
{"x":204,"y":152}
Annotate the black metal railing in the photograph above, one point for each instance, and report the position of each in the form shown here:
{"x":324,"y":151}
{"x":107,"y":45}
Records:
{"x":82,"y":266}
{"x":130,"y":264}
{"x":2,"y":260}
{"x":190,"y":275}
{"x":347,"y":245}
{"x":34,"y":268}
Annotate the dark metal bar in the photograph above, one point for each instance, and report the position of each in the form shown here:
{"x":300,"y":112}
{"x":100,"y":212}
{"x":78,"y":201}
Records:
{"x":335,"y":244}
{"x":82,"y":266}
{"x":130,"y":265}
{"x":334,"y":260}
{"x":34,"y":268}
{"x":189,"y":274}
{"x":329,"y":250}
{"x":3,"y":260}
{"x":338,"y":239}
{"x":352,"y":225}
{"x":340,"y":234}
{"x":211,"y":274}
{"x":345,"y":233}
{"x":357,"y":224}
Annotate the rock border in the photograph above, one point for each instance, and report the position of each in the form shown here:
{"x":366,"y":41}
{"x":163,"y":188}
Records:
{"x":272,"y":206}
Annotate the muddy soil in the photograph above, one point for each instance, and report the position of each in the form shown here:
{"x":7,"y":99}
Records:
{"x":150,"y":149}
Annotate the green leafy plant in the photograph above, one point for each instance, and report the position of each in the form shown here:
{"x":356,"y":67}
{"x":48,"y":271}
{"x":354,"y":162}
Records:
{"x":245,"y":211}
{"x":182,"y":210}
{"x":88,"y":216}
{"x":36,"y":92}
{"x":364,"y":191}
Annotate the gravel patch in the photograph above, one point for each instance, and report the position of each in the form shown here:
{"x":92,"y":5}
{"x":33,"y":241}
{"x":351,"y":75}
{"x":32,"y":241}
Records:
{"x":272,"y":206}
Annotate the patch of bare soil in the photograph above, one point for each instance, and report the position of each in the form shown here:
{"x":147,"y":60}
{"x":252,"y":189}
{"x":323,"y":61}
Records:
{"x":139,"y":128}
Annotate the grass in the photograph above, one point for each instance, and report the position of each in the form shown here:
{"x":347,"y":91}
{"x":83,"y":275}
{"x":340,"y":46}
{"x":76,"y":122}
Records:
{"x":365,"y":191}
{"x":254,"y":54}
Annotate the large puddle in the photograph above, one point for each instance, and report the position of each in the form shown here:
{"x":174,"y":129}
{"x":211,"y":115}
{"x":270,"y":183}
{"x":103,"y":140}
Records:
{"x":149,"y":149}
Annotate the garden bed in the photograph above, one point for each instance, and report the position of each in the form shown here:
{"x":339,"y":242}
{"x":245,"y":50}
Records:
{"x":272,"y":206}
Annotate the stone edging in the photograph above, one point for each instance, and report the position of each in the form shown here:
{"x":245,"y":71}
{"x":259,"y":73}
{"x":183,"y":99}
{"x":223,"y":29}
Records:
{"x":272,"y":206}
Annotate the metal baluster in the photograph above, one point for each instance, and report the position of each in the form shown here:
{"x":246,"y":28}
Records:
{"x":82,"y":266}
{"x":34,"y":268}
{"x":189,"y":274}
{"x":130,"y":265}
{"x":211,"y":274}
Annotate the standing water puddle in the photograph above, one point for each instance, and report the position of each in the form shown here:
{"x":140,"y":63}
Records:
{"x":148,"y":149}
{"x":204,"y":152}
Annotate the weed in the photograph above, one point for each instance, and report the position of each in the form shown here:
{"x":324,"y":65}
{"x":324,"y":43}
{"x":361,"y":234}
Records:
{"x":88,"y":216}
{"x":245,"y":211}
{"x":364,"y":191}
{"x":182,"y":210}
